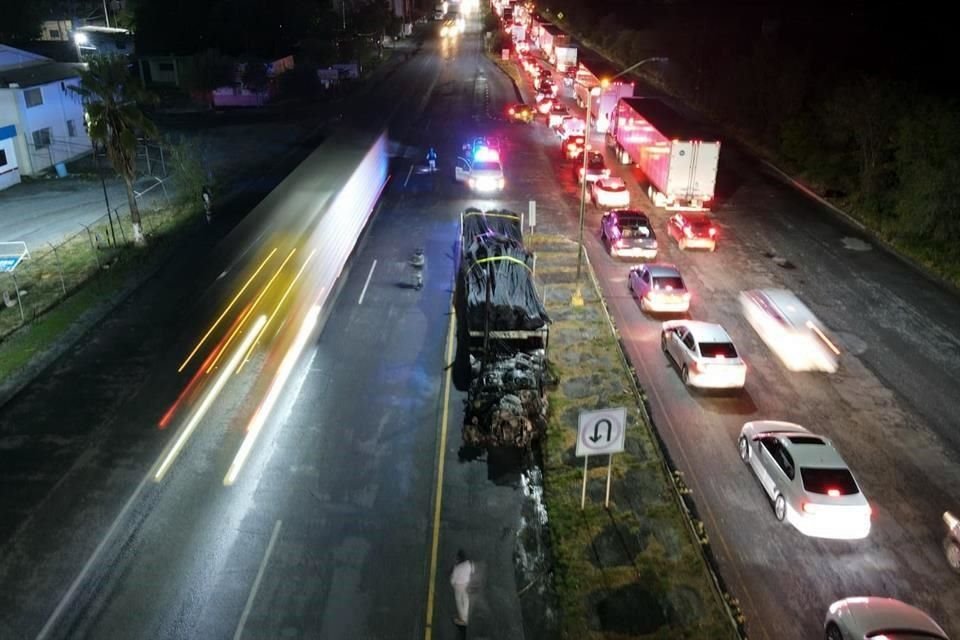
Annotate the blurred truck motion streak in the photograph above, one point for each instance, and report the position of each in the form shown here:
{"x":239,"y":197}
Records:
{"x":283,"y":262}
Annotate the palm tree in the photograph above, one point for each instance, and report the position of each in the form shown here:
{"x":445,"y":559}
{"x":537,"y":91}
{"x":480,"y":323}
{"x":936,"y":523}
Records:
{"x":113,"y":98}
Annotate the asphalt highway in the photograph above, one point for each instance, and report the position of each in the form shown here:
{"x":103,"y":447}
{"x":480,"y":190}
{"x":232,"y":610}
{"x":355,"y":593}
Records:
{"x":331,"y":528}
{"x":891,"y":408}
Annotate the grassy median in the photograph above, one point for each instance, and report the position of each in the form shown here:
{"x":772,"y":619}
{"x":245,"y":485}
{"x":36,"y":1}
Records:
{"x":635,"y":570}
{"x":59,"y":286}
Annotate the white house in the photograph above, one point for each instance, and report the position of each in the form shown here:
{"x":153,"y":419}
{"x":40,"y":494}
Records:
{"x":46,"y":116}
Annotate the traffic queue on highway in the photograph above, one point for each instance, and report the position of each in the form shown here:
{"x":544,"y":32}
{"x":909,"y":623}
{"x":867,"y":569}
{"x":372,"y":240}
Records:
{"x":802,"y":473}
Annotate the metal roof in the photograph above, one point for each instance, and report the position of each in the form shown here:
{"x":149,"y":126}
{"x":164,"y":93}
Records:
{"x":666,"y":120}
{"x":39,"y":74}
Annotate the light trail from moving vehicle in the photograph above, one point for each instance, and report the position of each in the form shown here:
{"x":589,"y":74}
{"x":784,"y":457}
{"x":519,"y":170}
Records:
{"x":276,"y":387}
{"x":225,"y":311}
{"x":180,"y":440}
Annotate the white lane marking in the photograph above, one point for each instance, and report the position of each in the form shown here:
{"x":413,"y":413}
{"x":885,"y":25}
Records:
{"x":369,"y":275}
{"x":71,"y":592}
{"x":408,"y":177}
{"x":84,"y":572}
{"x":256,"y":581}
{"x":223,"y":275}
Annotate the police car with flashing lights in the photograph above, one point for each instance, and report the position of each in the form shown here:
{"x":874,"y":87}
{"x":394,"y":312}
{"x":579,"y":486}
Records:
{"x":482,"y":171}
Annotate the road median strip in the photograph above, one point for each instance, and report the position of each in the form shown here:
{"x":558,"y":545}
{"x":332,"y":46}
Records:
{"x":641,"y":568}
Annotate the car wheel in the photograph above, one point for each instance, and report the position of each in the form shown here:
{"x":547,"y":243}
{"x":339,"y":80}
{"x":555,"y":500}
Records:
{"x":780,"y":508}
{"x":643,"y":303}
{"x":663,"y":342}
{"x":833,"y":632}
{"x":683,"y":245}
{"x":743,"y":446}
{"x":713,"y":248}
{"x":685,"y":375}
{"x":952,"y":550}
{"x":630,"y":284}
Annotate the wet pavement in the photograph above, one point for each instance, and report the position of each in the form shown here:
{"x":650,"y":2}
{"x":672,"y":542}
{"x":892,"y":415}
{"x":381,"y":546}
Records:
{"x":329,"y":531}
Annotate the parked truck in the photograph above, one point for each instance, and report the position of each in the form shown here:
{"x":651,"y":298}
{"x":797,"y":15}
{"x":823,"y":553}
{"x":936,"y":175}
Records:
{"x":678,"y":160}
{"x":502,"y":333}
{"x":565,"y":58}
{"x":602,"y":100}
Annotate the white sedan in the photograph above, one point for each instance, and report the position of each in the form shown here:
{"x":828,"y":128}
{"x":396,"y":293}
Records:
{"x":790,"y":329}
{"x":610,"y":193}
{"x":808,"y":482}
{"x":860,"y":618}
{"x":704,"y":353}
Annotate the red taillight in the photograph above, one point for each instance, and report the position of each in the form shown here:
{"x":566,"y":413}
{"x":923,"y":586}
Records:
{"x":809,"y":507}
{"x":571,"y":147}
{"x":833,"y":493}
{"x":713,"y":232}
{"x":512,"y":111}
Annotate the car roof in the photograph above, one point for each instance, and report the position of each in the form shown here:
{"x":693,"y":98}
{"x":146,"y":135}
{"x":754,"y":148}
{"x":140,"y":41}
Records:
{"x":661,"y":270}
{"x":873,"y":614}
{"x":611,"y":181}
{"x":822,"y":456}
{"x":786,"y":303}
{"x":707,"y":331}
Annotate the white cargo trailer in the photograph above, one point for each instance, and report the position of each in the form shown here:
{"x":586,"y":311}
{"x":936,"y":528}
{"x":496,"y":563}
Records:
{"x":678,"y":160}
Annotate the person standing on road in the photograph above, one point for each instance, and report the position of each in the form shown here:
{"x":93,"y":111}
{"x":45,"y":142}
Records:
{"x":460,"y":581}
{"x":207,"y":202}
{"x":432,"y":159}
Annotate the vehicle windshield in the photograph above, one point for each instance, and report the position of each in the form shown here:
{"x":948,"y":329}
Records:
{"x":829,"y":481}
{"x":717,"y":350}
{"x":668,"y":282}
{"x":595,"y":162}
{"x":486,"y":166}
{"x":613,"y":186}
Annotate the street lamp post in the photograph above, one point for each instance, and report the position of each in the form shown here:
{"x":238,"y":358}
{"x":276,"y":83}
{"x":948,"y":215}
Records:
{"x":577,"y":299}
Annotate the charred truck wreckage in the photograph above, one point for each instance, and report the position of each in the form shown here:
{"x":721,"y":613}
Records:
{"x":503,"y":331}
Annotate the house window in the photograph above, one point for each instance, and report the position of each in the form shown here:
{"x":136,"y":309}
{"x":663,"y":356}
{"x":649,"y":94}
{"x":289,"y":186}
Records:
{"x":33,"y":97}
{"x":54,"y":34}
{"x":165,"y":66}
{"x":3,"y":158}
{"x":71,"y":129}
{"x":41,"y":138}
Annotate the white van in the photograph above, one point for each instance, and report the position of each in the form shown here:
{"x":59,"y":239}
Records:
{"x":790,"y":329}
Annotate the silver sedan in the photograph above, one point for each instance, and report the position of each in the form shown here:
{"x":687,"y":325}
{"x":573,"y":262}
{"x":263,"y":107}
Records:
{"x":806,"y":479}
{"x":704,"y":353}
{"x":659,"y":288}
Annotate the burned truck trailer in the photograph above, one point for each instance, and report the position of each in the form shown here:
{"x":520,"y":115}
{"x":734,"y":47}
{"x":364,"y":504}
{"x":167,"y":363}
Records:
{"x":502,"y":331}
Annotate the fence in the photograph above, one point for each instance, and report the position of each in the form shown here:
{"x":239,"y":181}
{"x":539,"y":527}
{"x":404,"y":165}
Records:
{"x":54,"y":271}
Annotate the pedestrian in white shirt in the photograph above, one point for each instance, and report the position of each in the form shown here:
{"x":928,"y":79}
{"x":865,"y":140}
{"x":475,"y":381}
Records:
{"x":460,"y":581}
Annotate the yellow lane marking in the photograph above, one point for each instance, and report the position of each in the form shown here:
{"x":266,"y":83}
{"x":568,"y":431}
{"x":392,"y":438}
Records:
{"x":438,"y":501}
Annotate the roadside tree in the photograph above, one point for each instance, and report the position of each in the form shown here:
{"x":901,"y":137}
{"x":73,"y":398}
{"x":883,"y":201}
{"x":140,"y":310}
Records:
{"x":113,"y":99}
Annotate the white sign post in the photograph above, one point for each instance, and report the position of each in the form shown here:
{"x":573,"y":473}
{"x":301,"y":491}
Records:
{"x":533,"y":215}
{"x":600,"y":432}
